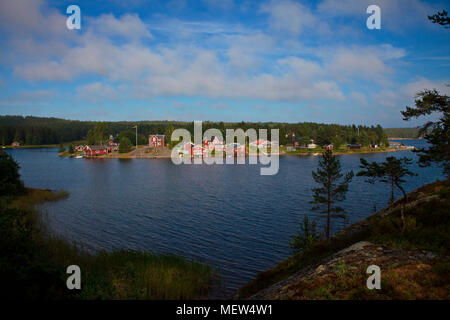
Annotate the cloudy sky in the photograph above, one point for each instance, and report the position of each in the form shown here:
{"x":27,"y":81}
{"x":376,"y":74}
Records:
{"x":220,"y":60}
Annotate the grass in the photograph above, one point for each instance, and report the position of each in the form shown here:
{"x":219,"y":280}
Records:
{"x":411,"y":281}
{"x":341,"y":150}
{"x":33,"y":263}
{"x":428,"y":228}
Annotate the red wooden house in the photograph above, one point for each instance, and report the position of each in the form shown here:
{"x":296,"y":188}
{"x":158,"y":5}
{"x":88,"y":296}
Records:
{"x":156,"y":140}
{"x":197,"y":150}
{"x":236,"y":149}
{"x":215,"y":143}
{"x":95,"y":150}
{"x":328,"y":147}
{"x":113,"y":146}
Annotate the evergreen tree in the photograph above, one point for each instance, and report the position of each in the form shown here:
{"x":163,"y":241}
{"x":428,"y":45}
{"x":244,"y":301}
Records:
{"x":306,"y":237}
{"x":168,"y":133}
{"x":90,"y":137}
{"x":333,"y":187}
{"x":436,"y":133}
{"x":124,"y":145}
{"x":10,"y":183}
{"x":391,"y":172}
{"x":441,"y":18}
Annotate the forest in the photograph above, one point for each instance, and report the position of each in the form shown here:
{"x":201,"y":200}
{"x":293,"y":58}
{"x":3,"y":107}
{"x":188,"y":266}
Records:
{"x":41,"y":131}
{"x":410,"y":133}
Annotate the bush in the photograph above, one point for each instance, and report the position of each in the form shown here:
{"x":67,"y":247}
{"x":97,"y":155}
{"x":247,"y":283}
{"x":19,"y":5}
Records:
{"x":10,"y":183}
{"x":124,"y":145}
{"x":307,"y":236}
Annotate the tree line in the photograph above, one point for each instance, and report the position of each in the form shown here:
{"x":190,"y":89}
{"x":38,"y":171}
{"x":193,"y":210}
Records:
{"x":37,"y":131}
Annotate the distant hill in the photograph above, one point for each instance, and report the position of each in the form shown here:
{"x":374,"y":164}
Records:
{"x":402,"y":132}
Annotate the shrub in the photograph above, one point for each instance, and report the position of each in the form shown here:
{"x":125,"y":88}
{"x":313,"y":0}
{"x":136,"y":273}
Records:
{"x":124,"y":145}
{"x":10,"y":183}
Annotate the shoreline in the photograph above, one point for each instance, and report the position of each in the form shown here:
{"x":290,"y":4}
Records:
{"x":405,"y":138}
{"x":318,"y":153}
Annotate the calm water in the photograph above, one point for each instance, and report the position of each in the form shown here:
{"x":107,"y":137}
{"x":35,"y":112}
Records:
{"x":226,"y":215}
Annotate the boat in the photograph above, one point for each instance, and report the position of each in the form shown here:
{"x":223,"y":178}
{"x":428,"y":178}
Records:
{"x":79,"y":157}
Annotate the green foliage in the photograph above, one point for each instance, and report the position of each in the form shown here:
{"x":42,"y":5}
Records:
{"x":306,"y":237}
{"x":61,"y":148}
{"x":441,"y":18}
{"x":124,"y":145}
{"x":10,"y":183}
{"x":437,"y":133}
{"x":392,"y":171}
{"x":71,"y":149}
{"x":168,"y":133}
{"x":411,"y":133}
{"x":340,"y":268}
{"x":98,"y":135}
{"x":54,"y":131}
{"x":333,"y":187}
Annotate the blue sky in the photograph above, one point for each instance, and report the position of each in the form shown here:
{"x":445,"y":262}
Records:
{"x":228,"y":60}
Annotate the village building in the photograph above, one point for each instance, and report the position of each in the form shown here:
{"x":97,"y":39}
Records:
{"x":260,"y":144}
{"x":156,"y":140}
{"x":113,"y":146}
{"x":15,"y":144}
{"x":236,"y":149}
{"x":198,"y":150}
{"x":215,"y":143}
{"x":328,"y":147}
{"x":184,"y":148}
{"x":96,"y":150}
{"x":311,"y":145}
{"x":353,"y":146}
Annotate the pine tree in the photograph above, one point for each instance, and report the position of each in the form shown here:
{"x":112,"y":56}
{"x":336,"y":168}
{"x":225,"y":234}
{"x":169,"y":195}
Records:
{"x":306,"y":237}
{"x":124,"y":145}
{"x":391,"y":172}
{"x":333,"y":188}
{"x":436,"y":133}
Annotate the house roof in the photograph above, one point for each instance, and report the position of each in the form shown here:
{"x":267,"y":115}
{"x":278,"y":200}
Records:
{"x":97,"y":147}
{"x":218,"y":138}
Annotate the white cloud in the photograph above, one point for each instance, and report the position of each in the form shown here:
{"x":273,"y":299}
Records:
{"x":405,"y":94}
{"x":25,"y":17}
{"x":28,"y":97}
{"x":97,"y":92}
{"x":232,"y":62}
{"x":46,"y":70}
{"x":129,"y":26}
{"x":291,"y":17}
{"x":359,"y":98}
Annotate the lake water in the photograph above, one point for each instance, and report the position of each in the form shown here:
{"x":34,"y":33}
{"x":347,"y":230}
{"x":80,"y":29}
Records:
{"x":226,"y":215}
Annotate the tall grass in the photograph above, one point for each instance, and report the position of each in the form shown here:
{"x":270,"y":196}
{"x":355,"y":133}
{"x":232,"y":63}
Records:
{"x":33,"y":263}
